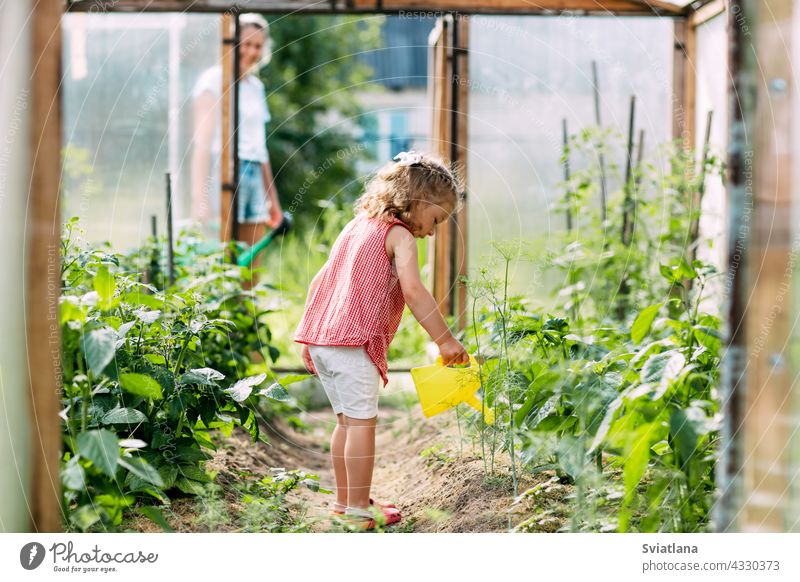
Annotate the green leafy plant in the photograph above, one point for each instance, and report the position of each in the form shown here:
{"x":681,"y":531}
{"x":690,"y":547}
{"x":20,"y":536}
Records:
{"x":617,"y":396}
{"x":148,"y":373}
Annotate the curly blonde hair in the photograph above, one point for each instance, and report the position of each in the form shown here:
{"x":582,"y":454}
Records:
{"x":397,"y":188}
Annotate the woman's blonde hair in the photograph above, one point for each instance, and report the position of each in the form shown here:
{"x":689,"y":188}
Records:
{"x":258,"y":22}
{"x":397,"y":187}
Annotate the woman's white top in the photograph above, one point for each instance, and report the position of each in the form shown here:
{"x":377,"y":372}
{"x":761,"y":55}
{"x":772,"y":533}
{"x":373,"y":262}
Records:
{"x":253,"y":113}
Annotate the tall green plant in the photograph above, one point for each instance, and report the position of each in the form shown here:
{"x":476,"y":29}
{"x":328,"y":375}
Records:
{"x":147,"y":374}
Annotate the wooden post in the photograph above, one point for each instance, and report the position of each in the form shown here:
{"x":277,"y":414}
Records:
{"x":44,"y":267}
{"x":768,"y":423}
{"x":683,"y":82}
{"x":449,"y":91}
{"x":754,"y":474}
{"x":226,"y":225}
{"x":459,"y":157}
{"x":441,"y":87}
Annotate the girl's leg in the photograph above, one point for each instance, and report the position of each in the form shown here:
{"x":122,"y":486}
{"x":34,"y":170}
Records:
{"x":338,"y":439}
{"x":359,"y":458}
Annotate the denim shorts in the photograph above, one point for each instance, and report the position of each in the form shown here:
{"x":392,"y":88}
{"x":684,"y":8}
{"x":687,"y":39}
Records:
{"x":350,"y":379}
{"x":251,"y":197}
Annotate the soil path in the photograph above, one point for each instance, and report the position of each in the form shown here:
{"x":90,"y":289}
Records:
{"x":439,"y":485}
{"x":436,"y":479}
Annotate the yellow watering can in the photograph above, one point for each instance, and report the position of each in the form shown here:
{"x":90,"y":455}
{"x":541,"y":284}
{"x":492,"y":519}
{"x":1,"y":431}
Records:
{"x":441,"y":387}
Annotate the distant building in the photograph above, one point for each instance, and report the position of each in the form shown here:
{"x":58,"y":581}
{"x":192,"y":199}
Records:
{"x":397,"y":117}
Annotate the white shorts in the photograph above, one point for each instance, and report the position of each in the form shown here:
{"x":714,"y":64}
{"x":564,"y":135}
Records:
{"x":350,"y":379}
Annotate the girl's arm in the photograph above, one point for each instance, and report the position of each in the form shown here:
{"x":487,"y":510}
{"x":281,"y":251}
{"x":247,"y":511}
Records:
{"x":309,"y":363}
{"x":400,"y":245}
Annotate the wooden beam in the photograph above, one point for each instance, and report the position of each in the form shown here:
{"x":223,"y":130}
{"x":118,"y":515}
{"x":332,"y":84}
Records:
{"x":684,"y":84}
{"x":460,"y":234}
{"x":542,"y":7}
{"x":44,"y":267}
{"x":706,"y":12}
{"x":768,"y":423}
{"x":226,"y":173}
{"x":755,"y":470}
{"x":527,"y":7}
{"x":439,"y":253}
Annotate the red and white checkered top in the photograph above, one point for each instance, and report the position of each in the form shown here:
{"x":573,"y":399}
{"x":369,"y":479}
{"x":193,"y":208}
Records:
{"x":358,"y":300}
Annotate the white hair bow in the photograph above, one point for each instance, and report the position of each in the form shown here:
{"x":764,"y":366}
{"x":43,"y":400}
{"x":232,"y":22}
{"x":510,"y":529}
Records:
{"x":408,"y":158}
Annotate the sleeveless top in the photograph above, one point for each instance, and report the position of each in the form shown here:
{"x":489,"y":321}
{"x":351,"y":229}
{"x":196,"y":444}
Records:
{"x":358,"y":300}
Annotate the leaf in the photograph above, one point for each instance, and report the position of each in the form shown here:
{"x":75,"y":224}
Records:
{"x":548,"y":407}
{"x":605,"y":425}
{"x":205,"y":376}
{"x":293,"y":378}
{"x":684,"y":437}
{"x":201,"y":438}
{"x":556,"y":423}
{"x":242,"y":389}
{"x":101,"y":448}
{"x":643,"y":322}
{"x":191,"y":454}
{"x":678,"y":271}
{"x":104,"y":284}
{"x":571,"y":455}
{"x":124,"y":329}
{"x":154,"y":514}
{"x":168,"y":473}
{"x":660,"y":448}
{"x":189,"y":486}
{"x":638,"y":450}
{"x":147,"y":316}
{"x":139,"y":298}
{"x":194,"y":473}
{"x":132,"y":444}
{"x":84,"y":517}
{"x":124,"y":416}
{"x":141,"y":385}
{"x":70,"y":310}
{"x":73,"y":476}
{"x":98,"y":346}
{"x":708,"y":337}
{"x":663,"y":368}
{"x":275,"y":392}
{"x":142,"y":469}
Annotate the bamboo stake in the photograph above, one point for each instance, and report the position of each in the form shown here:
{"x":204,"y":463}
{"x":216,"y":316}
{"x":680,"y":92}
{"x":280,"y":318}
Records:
{"x":627,"y":221}
{"x":627,"y":208}
{"x":697,"y":197}
{"x":566,"y":171}
{"x":602,"y":158}
{"x":170,"y":248}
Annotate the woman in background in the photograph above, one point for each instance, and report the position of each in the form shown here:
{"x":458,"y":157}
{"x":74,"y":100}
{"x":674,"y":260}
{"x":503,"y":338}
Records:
{"x":258,"y":203}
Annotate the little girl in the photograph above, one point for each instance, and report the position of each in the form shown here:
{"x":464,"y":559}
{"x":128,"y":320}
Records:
{"x":354,"y":307}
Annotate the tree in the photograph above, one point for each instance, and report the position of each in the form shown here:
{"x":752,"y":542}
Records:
{"x":312,"y":82}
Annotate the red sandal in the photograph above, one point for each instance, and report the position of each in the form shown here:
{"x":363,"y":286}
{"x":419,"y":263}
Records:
{"x":391,"y":514}
{"x":382,"y":506}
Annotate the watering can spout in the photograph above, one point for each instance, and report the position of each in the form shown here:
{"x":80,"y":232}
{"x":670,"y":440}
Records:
{"x":474,"y":402}
{"x":440,"y":388}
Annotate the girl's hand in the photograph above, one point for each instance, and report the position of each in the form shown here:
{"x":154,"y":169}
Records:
{"x":307,"y":360}
{"x":453,"y":352}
